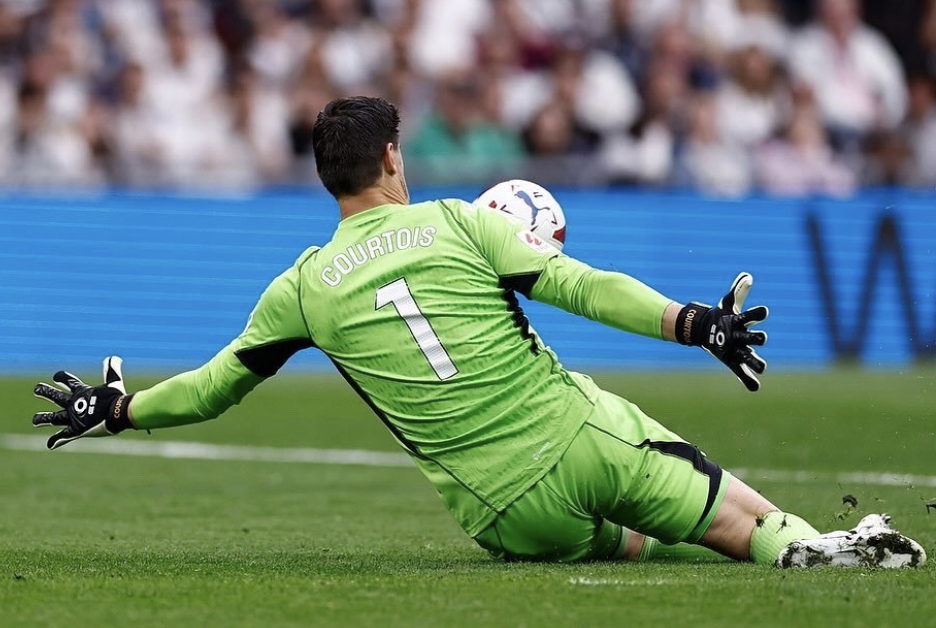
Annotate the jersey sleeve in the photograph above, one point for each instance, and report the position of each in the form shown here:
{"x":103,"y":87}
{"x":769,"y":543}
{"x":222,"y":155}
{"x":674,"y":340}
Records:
{"x":275,"y":331}
{"x":615,"y":299}
{"x":529,"y":265}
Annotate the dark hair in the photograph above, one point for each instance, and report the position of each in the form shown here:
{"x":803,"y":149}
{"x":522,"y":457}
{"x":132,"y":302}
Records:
{"x":349,"y":138}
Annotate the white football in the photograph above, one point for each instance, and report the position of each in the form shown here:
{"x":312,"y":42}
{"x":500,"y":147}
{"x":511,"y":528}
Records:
{"x":530,"y":204}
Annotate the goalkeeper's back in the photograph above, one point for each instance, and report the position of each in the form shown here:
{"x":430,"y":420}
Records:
{"x":416,"y":306}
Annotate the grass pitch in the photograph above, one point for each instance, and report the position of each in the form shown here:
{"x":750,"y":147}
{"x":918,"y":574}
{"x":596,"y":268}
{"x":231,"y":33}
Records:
{"x":101,"y":540}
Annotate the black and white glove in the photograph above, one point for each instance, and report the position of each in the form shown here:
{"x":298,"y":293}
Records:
{"x":724,"y":331}
{"x":88,"y":411}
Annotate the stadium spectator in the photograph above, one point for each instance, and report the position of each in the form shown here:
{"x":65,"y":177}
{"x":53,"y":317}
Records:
{"x":596,"y":86}
{"x":138,"y":137}
{"x":258,"y":128}
{"x":278,"y":43}
{"x":623,"y":41}
{"x":708,"y":161}
{"x":553,"y":131}
{"x":45,"y":150}
{"x":444,"y":35}
{"x":307,"y":101}
{"x":132,"y":27}
{"x":754,"y":101}
{"x":65,"y":92}
{"x":644,"y":154}
{"x":802,"y":161}
{"x":919,"y":131}
{"x":672,"y":46}
{"x":188,"y":74}
{"x":355,"y":50}
{"x":500,"y":62}
{"x":456,"y":141}
{"x":559,"y":148}
{"x":851,"y":68}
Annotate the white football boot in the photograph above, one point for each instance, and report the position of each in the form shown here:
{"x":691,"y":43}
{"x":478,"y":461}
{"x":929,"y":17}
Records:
{"x":871,"y":543}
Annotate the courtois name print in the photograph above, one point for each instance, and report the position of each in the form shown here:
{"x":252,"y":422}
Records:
{"x":376,"y":247}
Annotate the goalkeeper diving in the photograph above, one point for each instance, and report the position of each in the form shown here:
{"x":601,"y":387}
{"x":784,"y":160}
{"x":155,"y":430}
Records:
{"x":416,"y":306}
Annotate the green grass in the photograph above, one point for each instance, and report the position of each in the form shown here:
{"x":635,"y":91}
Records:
{"x":91,"y":540}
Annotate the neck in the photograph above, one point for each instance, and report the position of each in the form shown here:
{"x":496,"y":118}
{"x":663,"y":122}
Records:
{"x":841,"y":35}
{"x":368,"y":199}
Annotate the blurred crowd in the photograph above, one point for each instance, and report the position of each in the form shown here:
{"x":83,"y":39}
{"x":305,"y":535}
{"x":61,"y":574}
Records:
{"x":725,"y":96}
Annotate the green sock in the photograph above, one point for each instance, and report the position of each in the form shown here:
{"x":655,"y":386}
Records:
{"x":774,"y":532}
{"x":683,"y":552}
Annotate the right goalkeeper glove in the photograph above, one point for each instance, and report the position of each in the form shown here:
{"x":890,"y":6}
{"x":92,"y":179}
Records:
{"x":88,"y":411}
{"x":723,"y":331}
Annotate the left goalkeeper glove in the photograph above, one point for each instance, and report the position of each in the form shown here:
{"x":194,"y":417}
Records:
{"x":723,"y":331}
{"x":88,"y":411}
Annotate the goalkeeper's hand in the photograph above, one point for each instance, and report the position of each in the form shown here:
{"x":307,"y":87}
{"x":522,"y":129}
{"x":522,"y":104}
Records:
{"x":87,"y":410}
{"x":724,"y":331}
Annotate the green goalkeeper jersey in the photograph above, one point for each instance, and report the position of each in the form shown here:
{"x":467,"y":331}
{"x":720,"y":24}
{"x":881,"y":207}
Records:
{"x":416,"y":306}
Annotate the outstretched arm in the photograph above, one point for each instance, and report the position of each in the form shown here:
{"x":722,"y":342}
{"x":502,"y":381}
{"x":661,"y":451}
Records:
{"x":199,"y":395}
{"x":532,"y":267}
{"x":275,"y":331}
{"x":611,"y":298}
{"x":623,"y":302}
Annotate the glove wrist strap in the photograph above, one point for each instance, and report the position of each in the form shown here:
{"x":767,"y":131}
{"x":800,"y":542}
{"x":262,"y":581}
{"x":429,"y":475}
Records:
{"x":689,"y":322}
{"x":118,"y":419}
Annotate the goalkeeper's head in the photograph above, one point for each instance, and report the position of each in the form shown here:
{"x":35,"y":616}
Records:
{"x":357,"y":148}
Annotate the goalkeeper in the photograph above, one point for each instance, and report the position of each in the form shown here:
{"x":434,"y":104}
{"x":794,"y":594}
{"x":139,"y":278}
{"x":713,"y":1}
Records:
{"x":416,"y":306}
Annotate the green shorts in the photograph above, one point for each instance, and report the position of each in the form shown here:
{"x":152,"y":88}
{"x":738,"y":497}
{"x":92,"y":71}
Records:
{"x":622,"y":470}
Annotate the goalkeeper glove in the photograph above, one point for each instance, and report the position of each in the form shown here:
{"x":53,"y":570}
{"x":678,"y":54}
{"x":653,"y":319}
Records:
{"x":723,"y":331}
{"x":88,"y":411}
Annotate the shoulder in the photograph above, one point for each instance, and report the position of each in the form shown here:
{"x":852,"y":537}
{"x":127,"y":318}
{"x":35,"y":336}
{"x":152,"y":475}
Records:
{"x":460,"y":212}
{"x":811,"y":34}
{"x":808,"y":45}
{"x":286,"y":284}
{"x":456,"y":205}
{"x":871,"y":42}
{"x":308,"y":254}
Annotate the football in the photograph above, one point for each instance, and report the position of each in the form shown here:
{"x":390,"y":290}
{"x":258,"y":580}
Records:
{"x":530,"y":204}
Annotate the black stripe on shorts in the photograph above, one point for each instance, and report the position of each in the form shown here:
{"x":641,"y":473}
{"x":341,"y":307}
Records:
{"x":699,"y":462}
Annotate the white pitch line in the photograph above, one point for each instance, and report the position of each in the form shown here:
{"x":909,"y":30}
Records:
{"x":366,"y":458}
{"x":207,"y":451}
{"x":868,"y":478}
{"x":616,"y":582}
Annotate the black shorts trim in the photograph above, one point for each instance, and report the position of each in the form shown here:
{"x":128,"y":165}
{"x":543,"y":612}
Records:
{"x":699,"y":462}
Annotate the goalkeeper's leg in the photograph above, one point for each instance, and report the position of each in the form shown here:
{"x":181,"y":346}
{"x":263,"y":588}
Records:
{"x":748,"y":527}
{"x":641,"y":548}
{"x":745,"y":527}
{"x":667,"y":489}
{"x":659,"y":486}
{"x":629,"y":488}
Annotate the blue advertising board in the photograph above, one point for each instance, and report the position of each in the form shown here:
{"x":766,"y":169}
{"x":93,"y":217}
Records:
{"x":166,"y":280}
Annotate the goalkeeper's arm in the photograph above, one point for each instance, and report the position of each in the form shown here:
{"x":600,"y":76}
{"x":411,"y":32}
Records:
{"x":623,"y":302}
{"x":275,"y":331}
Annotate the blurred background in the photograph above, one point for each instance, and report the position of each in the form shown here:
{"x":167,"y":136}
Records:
{"x":156,"y":166}
{"x":722,"y":96}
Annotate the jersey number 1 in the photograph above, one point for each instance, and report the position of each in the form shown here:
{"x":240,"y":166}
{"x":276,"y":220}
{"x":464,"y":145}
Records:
{"x":398,"y":293}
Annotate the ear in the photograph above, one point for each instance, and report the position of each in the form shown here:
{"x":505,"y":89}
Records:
{"x":390,"y":159}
